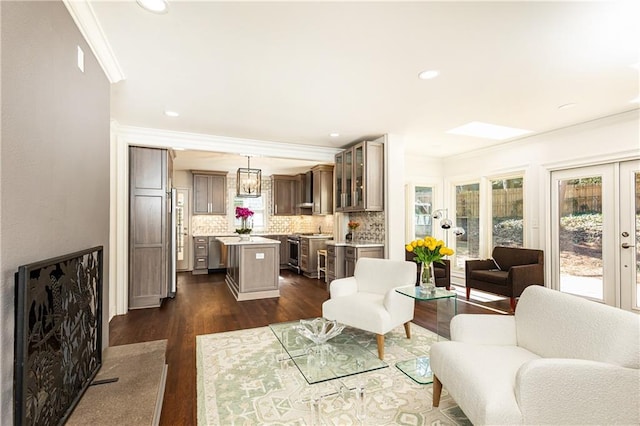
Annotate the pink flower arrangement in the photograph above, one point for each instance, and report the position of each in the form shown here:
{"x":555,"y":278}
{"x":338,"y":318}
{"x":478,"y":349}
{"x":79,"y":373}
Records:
{"x":243,"y":212}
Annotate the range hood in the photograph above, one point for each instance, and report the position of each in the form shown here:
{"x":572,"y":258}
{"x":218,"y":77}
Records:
{"x":306,"y":190}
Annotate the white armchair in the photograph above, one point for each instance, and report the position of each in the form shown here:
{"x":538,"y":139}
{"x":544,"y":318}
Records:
{"x":368,"y":300}
{"x":560,"y":359}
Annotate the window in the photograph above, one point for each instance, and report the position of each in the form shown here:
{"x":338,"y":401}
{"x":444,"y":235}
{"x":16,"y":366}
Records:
{"x":507,"y":212}
{"x":423,"y":196}
{"x":257,"y":206}
{"x":467,"y":217}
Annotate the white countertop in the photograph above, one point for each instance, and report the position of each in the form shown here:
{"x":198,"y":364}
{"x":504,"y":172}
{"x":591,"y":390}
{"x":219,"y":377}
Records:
{"x":319,"y":236}
{"x":235,"y":241}
{"x":355,"y":243}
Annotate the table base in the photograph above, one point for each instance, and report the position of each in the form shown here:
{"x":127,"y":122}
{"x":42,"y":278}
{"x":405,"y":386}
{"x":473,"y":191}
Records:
{"x":418,"y":369}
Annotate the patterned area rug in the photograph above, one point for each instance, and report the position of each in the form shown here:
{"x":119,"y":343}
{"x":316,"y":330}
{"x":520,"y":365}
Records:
{"x":242,"y":380}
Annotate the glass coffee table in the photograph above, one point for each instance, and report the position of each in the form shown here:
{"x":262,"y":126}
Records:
{"x":419,"y":369}
{"x":341,"y":356}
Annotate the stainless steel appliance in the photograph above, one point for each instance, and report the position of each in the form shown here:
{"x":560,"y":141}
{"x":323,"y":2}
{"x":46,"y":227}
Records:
{"x":293,"y":241}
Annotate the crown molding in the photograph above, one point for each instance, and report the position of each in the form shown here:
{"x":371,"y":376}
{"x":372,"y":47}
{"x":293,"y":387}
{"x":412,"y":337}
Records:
{"x":160,"y":138}
{"x":87,"y":22}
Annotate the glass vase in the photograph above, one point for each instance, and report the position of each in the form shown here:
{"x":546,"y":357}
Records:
{"x":427,"y":278}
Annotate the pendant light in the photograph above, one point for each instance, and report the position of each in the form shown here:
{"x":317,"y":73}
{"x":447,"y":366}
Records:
{"x":248,"y":181}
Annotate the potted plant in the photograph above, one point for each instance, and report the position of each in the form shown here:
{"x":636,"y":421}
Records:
{"x":244,"y":213}
{"x":352,"y":225}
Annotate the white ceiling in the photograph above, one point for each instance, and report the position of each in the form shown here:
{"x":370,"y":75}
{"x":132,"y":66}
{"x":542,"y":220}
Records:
{"x":296,"y":71}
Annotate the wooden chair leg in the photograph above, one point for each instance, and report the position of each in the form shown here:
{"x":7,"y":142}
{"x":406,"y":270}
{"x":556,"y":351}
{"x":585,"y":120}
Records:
{"x":437,"y":390}
{"x":468,"y":292}
{"x":407,"y":329}
{"x":380,"y":339}
{"x":512,"y":303}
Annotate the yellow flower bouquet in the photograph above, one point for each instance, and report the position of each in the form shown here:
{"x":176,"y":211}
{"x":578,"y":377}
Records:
{"x":427,"y":251}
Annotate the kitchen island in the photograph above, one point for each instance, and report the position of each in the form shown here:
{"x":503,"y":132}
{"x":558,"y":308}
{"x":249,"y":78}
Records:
{"x":253,"y":267}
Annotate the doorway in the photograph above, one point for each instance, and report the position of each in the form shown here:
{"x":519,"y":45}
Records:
{"x":594,"y":226}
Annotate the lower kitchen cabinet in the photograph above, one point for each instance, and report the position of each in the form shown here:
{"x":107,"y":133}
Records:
{"x":309,"y":255}
{"x":201,"y":255}
{"x":335,"y":262}
{"x":352,"y":254}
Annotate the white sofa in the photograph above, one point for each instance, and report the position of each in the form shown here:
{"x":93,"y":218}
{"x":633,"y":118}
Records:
{"x":560,"y":359}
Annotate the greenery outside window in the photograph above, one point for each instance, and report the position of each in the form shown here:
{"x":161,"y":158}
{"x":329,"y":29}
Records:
{"x":467,"y":246}
{"x":507,"y":212}
{"x":422,"y":210}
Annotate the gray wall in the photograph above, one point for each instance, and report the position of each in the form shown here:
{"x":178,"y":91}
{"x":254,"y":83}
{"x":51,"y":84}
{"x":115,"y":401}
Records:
{"x":54,"y":163}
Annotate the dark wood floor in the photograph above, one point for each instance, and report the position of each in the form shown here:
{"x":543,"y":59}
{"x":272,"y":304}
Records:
{"x":204,"y":305}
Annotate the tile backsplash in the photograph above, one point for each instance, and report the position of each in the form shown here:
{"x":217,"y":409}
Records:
{"x":217,"y":224}
{"x":371,"y":226}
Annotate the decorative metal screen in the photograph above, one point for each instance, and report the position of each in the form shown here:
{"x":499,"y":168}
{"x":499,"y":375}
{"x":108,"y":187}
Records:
{"x":58,"y":335}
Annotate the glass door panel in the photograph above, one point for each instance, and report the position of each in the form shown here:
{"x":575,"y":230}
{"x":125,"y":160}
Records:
{"x":423,"y":196}
{"x":339,"y":182}
{"x":583,"y":223}
{"x":358,"y":167}
{"x":630,"y":235}
{"x":468,"y":218}
{"x":348,"y":178}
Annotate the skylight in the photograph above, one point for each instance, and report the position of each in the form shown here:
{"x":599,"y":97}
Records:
{"x":488,"y":131}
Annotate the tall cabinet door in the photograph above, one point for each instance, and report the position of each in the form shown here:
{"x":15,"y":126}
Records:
{"x":149,"y":241}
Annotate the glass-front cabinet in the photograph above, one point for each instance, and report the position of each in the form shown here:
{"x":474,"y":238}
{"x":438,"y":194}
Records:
{"x":359,"y":177}
{"x":337,"y":173}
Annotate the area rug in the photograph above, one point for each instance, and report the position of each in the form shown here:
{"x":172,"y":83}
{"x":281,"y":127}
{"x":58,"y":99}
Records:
{"x":244,"y":379}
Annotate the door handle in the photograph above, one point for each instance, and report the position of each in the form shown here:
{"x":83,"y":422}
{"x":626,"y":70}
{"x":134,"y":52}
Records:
{"x":626,"y":245}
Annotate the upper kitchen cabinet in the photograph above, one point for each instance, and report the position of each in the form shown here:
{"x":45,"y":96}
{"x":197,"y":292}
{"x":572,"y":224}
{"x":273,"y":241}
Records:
{"x":322,"y":190}
{"x":359,"y":177}
{"x":284,"y":191}
{"x":209,"y":192}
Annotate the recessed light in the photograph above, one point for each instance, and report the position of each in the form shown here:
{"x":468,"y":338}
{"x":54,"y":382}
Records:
{"x":635,"y":101}
{"x":428,"y":74}
{"x":334,"y":135}
{"x":488,"y":131}
{"x":171,"y":113}
{"x":155,"y":6}
{"x":636,"y":65}
{"x":565,"y":106}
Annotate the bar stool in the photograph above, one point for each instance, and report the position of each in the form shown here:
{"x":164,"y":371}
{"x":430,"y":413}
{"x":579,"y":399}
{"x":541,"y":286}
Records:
{"x":322,"y":266}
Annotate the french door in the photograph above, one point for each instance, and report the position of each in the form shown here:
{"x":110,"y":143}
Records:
{"x":594,"y":225}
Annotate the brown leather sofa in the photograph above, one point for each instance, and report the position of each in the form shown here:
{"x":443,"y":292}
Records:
{"x":442,"y":272}
{"x":508,"y":273}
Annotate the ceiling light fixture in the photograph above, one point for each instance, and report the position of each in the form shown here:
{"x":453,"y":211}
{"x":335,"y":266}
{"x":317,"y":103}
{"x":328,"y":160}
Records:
{"x":334,"y":135}
{"x":428,"y":74}
{"x":635,"y":101}
{"x":488,"y":131}
{"x":155,"y":6}
{"x":248,"y":181}
{"x":171,"y":113}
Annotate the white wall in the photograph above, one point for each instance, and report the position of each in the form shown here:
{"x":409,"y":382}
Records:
{"x":54,"y":186}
